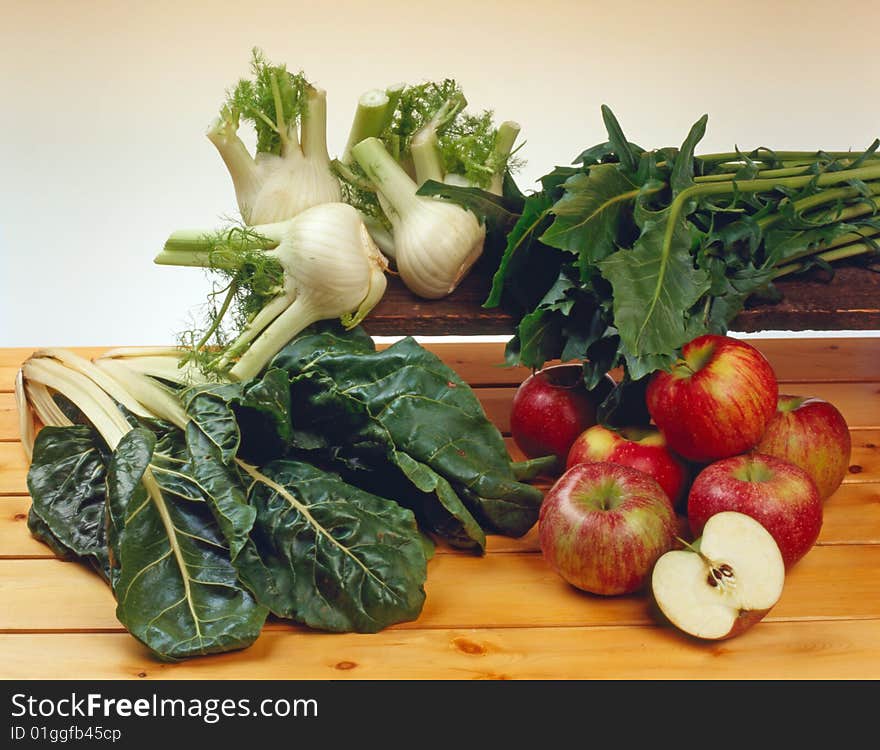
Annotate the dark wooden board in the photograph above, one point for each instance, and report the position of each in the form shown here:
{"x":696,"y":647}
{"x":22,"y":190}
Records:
{"x":851,"y":301}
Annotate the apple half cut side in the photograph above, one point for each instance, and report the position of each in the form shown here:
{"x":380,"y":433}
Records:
{"x":725,"y":582}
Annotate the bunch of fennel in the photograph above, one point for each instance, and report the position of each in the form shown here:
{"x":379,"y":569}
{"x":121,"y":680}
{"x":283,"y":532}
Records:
{"x":402,"y":138}
{"x":291,"y":170}
{"x":282,"y":277}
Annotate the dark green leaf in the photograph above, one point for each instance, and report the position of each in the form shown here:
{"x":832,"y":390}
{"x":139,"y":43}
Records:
{"x":525,"y":231}
{"x":655,"y":285}
{"x":683,"y":171}
{"x":328,"y":554}
{"x":66,"y":481}
{"x":177,"y":592}
{"x":626,"y":154}
{"x":430,"y":414}
{"x":588,"y":215}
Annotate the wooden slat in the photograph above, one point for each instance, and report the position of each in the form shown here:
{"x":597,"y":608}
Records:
{"x":858,"y":402}
{"x":8,"y":418}
{"x":510,"y":590}
{"x":825,"y":359}
{"x":865,"y":465}
{"x":852,"y":516}
{"x":811,"y":302}
{"x":791,"y":650}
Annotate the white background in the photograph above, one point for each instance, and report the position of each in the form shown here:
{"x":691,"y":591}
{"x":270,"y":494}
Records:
{"x":105,"y":104}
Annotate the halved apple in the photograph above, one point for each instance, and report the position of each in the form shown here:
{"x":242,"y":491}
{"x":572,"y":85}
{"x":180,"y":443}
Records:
{"x":724,"y":582}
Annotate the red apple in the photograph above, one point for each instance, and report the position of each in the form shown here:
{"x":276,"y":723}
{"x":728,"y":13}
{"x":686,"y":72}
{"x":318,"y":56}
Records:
{"x":551,"y":408}
{"x":776,"y":493}
{"x":642,"y":448}
{"x":716,"y":401}
{"x":602,"y":527}
{"x":812,"y":434}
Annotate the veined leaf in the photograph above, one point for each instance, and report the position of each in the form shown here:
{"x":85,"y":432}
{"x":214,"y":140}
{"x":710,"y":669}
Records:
{"x":627,"y":153}
{"x":329,"y":555}
{"x":416,"y":405}
{"x":66,"y":483}
{"x":588,"y":214}
{"x":177,"y":592}
{"x":655,"y":285}
{"x":683,"y":170}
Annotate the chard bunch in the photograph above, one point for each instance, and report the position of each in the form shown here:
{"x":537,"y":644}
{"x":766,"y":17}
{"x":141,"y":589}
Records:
{"x":291,"y":170}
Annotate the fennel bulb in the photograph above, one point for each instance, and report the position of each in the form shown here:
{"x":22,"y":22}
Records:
{"x":319,"y":265}
{"x":435,"y":242}
{"x":291,"y":171}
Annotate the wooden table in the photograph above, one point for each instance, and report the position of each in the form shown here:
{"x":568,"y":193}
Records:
{"x":505,"y":615}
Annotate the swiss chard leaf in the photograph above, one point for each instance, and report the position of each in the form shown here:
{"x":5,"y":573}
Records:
{"x":329,"y":555}
{"x":419,"y":407}
{"x":177,"y":592}
{"x":434,"y":417}
{"x":66,"y":481}
{"x":311,"y":547}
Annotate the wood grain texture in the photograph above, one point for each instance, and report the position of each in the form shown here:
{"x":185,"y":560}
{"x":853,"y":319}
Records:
{"x":790,"y":650}
{"x":850,"y":301}
{"x":510,"y":590}
{"x":826,"y":359}
{"x":852,"y":516}
{"x":506,"y":615}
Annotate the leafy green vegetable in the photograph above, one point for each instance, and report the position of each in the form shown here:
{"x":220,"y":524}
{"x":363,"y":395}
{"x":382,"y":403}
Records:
{"x":311,"y":547}
{"x":177,"y":590}
{"x":628,"y":254}
{"x":415,"y":405}
{"x":66,"y":482}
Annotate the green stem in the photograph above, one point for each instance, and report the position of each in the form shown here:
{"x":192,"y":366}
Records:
{"x":504,"y":140}
{"x":386,"y":174}
{"x":369,"y":120}
{"x":347,"y":174}
{"x":777,"y":156}
{"x":844,"y":239}
{"x":393,"y":92}
{"x":820,"y":199}
{"x":280,"y":124}
{"x":201,"y":249}
{"x":425,"y":152}
{"x":218,"y":318}
{"x":840,"y":253}
{"x":534,"y":467}
{"x":294,"y":319}
{"x":787,"y":172}
{"x":843,"y":214}
{"x":758,"y":185}
{"x":314,"y":126}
